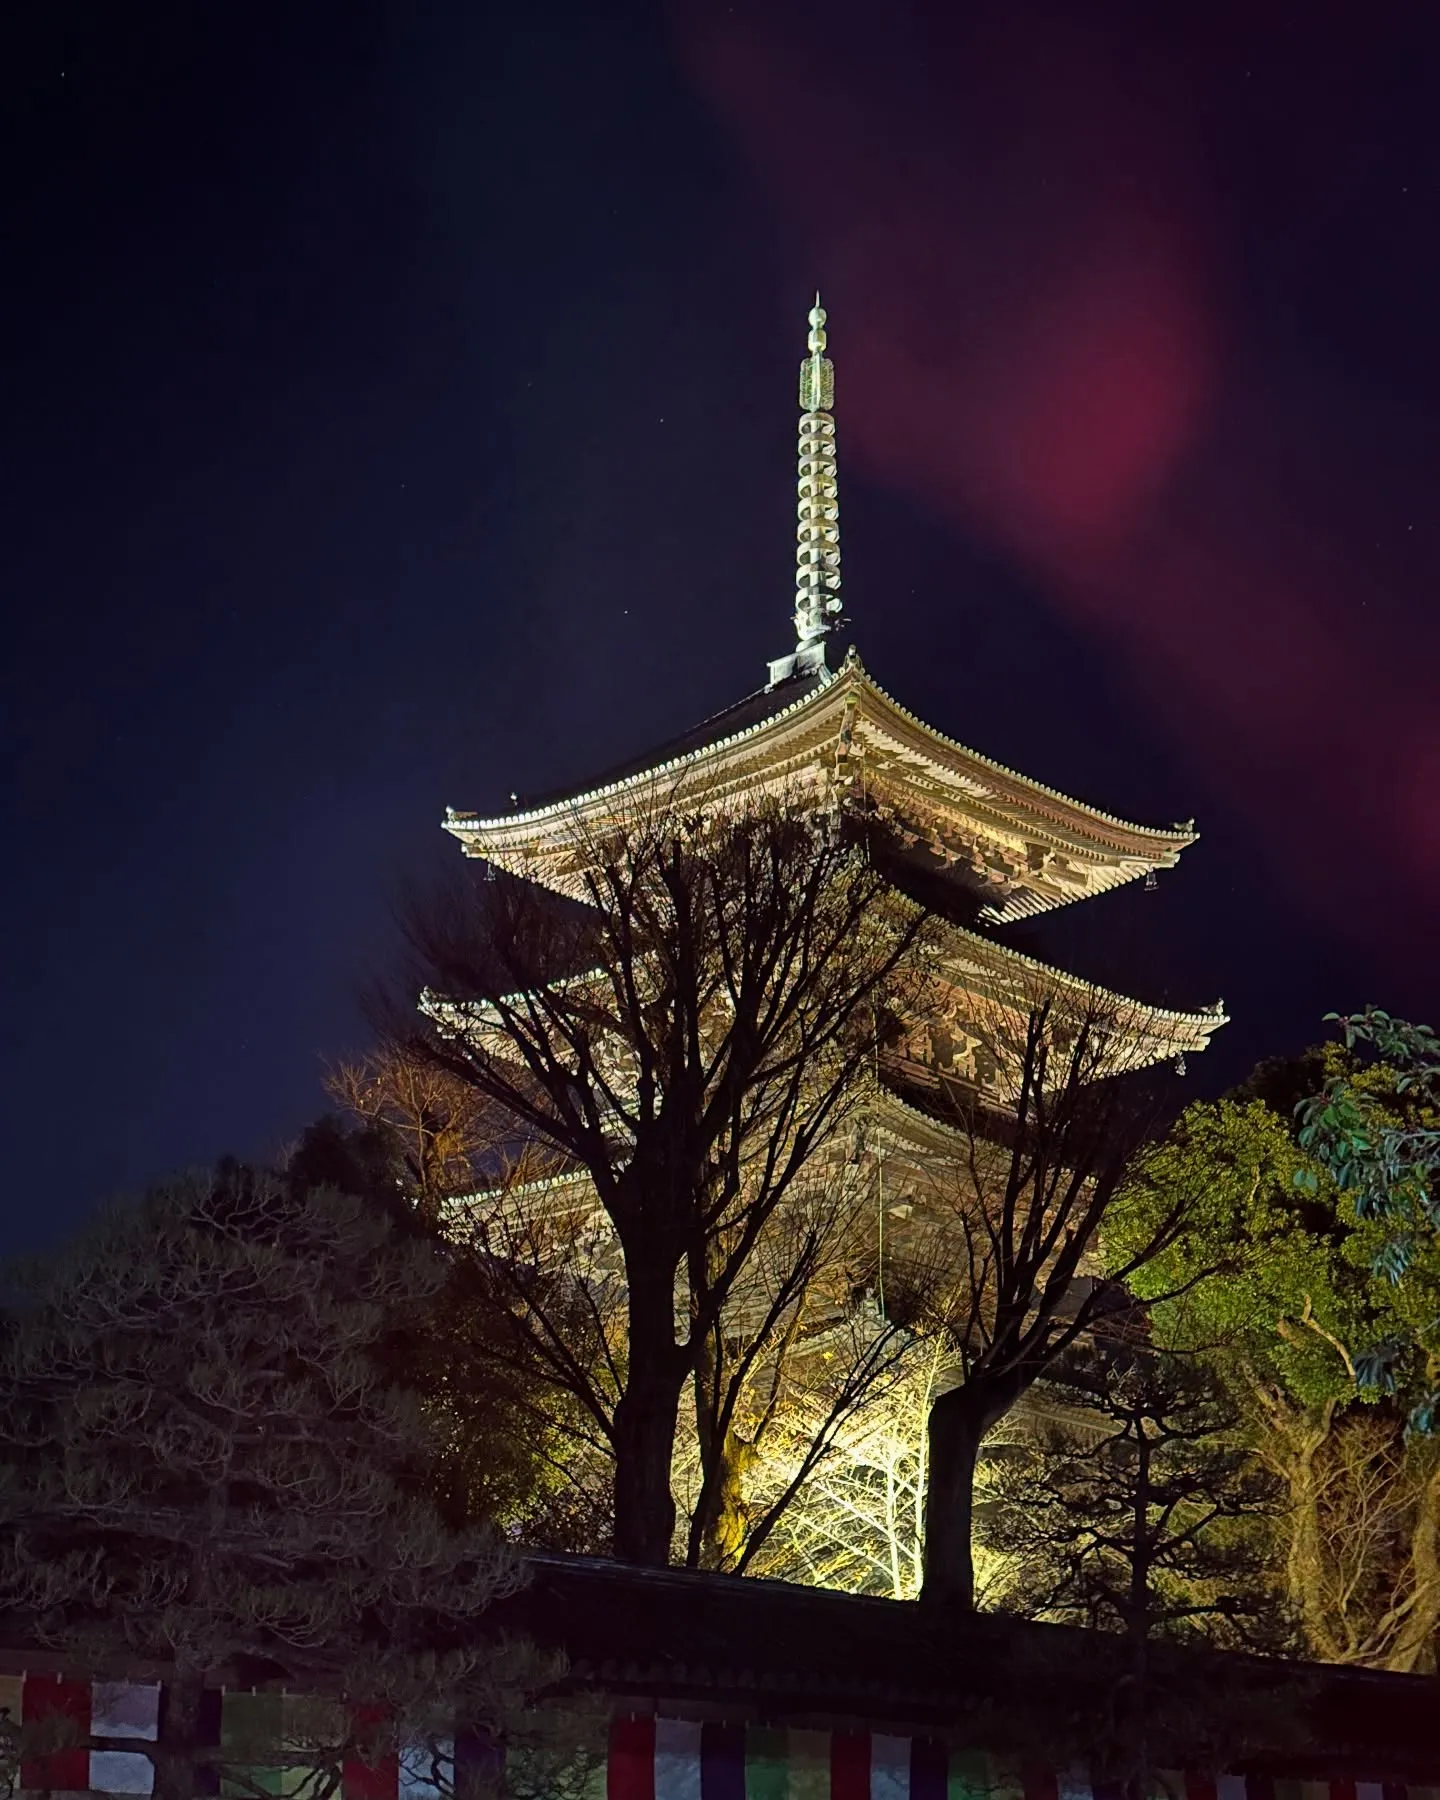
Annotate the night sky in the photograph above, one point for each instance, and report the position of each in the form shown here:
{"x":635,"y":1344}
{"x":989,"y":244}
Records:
{"x":399,"y":410}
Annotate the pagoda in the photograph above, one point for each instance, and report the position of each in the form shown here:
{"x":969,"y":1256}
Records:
{"x":982,"y":844}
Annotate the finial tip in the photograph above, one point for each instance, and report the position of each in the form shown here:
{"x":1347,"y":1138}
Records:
{"x":816,"y":340}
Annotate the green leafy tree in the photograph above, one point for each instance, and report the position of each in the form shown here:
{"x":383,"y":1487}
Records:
{"x":1274,"y":1282}
{"x":204,"y":1461}
{"x":1375,"y":1130}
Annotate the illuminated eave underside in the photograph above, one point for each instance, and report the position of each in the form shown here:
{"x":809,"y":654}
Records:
{"x":993,"y":974}
{"x":978,"y":965}
{"x":1036,"y":848}
{"x":545,"y":1192}
{"x":901,"y":1124}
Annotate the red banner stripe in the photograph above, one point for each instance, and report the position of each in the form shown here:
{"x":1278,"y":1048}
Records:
{"x":51,"y":1703}
{"x":377,"y":1780}
{"x":850,"y":1765}
{"x":1040,"y":1783}
{"x":630,"y":1772}
{"x":371,"y":1781}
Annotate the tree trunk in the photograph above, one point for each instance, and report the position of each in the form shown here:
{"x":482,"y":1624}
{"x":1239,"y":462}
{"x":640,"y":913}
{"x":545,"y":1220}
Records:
{"x":1290,"y":1442}
{"x":1133,"y":1714}
{"x":645,"y":1422}
{"x":958,"y":1422}
{"x":1414,"y":1651}
{"x":178,"y":1745}
{"x":727,"y":1518}
{"x":720,"y":1520}
{"x":703,"y":1550}
{"x":1305,"y":1562}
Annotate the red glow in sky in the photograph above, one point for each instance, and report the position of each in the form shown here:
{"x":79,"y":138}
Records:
{"x":1054,"y":329}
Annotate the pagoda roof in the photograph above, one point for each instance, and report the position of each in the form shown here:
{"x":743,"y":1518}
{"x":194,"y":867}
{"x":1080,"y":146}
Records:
{"x":1023,"y":846}
{"x":979,"y":965}
{"x":720,"y":728}
{"x":990,"y":986}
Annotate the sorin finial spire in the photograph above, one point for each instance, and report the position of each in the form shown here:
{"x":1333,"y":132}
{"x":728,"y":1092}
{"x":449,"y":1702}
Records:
{"x":817,"y":552}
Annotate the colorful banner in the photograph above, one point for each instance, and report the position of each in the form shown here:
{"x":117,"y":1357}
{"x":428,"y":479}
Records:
{"x":81,"y":1736}
{"x":680,"y":1759}
{"x":75,"y":1735}
{"x":67,"y":1717}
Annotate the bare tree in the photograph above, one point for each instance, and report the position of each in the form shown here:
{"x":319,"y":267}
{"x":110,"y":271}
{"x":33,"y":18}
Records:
{"x":798,"y":1352}
{"x":441,"y":1127}
{"x":1047,"y":1145}
{"x":858,"y":1521}
{"x":798,"y":1348}
{"x":690,"y":1036}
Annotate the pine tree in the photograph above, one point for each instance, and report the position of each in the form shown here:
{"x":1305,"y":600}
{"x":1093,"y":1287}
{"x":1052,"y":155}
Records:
{"x":1141,"y":1514}
{"x":203,"y":1460}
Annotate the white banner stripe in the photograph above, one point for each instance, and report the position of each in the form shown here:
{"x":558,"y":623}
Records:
{"x":125,"y":1709}
{"x":419,"y":1777}
{"x":677,"y":1759}
{"x":889,"y":1768}
{"x":121,"y":1772}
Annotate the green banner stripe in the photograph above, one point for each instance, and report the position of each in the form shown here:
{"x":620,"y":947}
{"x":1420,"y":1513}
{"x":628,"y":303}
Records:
{"x":766,"y":1764}
{"x":808,"y":1759}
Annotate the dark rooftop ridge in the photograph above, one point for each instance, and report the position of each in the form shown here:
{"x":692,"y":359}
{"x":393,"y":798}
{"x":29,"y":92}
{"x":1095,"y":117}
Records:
{"x":765,"y":703}
{"x":769,"y":1651}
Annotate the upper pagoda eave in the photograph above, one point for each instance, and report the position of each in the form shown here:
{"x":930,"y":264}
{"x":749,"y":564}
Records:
{"x":1029,"y":846}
